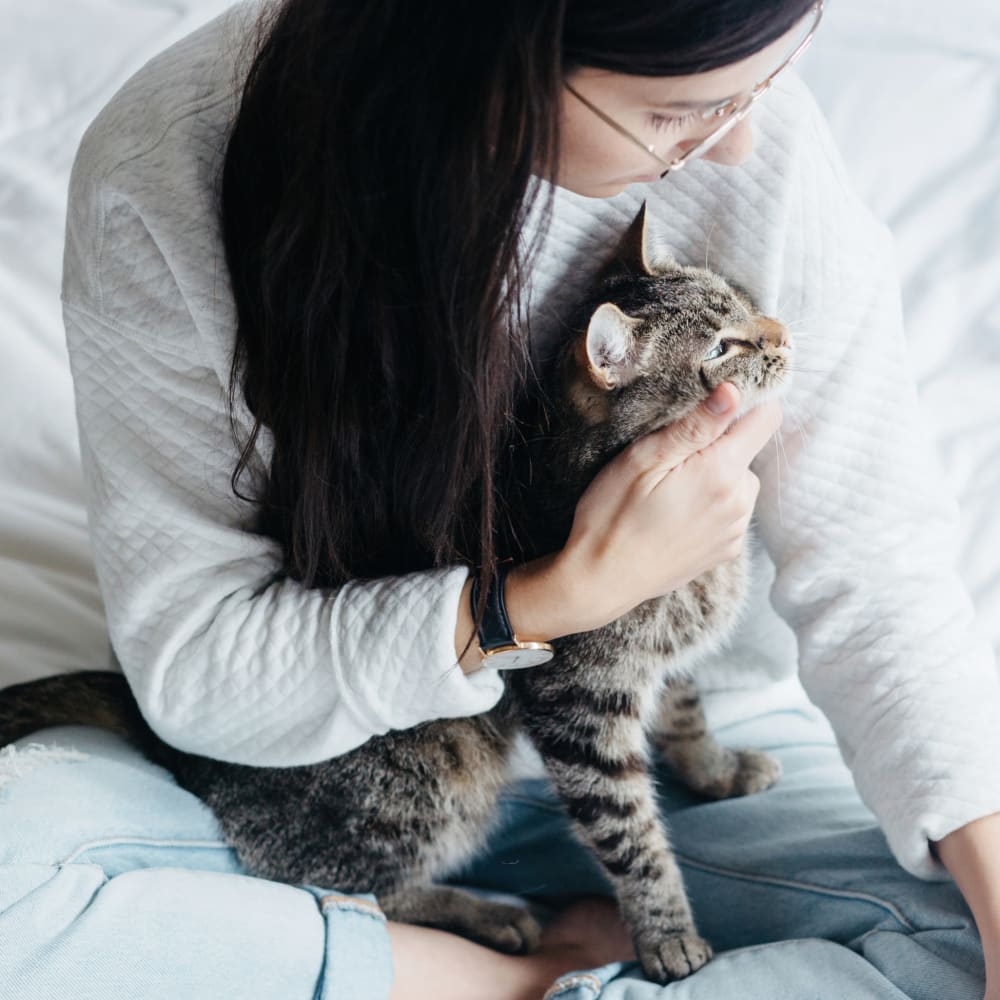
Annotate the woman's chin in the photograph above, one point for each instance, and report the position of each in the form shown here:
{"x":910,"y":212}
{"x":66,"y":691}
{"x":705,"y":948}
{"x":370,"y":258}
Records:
{"x":598,"y":189}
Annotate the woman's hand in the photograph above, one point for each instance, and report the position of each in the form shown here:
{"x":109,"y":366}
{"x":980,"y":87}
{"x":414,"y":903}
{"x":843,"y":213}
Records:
{"x":672,"y":505}
{"x":972,"y":856}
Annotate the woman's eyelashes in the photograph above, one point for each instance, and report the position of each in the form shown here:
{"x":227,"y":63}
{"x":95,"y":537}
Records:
{"x":662,"y":123}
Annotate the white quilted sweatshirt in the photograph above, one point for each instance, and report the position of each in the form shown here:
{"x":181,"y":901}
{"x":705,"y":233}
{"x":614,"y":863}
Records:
{"x":855,"y":587}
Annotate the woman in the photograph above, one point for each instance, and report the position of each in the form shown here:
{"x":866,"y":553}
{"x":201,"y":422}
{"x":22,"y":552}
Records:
{"x":332,"y":266}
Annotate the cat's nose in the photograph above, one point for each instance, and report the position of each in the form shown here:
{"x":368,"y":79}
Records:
{"x":770,"y":331}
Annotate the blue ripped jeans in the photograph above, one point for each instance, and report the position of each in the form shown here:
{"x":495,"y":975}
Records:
{"x":114,"y":884}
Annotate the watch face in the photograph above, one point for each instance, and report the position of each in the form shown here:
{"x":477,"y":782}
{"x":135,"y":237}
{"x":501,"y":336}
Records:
{"x":518,"y":659}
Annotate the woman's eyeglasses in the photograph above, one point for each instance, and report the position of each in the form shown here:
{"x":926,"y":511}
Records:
{"x":728,"y":114}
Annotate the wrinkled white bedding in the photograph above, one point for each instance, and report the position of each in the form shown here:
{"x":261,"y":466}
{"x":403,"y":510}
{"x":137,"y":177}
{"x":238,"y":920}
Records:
{"x":60,"y":60}
{"x":913,"y":96}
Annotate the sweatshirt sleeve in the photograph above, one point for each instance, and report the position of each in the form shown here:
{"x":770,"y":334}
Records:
{"x":856,"y":514}
{"x":227,"y":657}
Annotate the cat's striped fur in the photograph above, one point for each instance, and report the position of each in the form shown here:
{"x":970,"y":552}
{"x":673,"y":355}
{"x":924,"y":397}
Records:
{"x":410,"y":807}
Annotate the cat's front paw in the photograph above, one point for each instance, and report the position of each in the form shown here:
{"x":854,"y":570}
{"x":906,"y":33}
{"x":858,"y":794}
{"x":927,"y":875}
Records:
{"x":673,"y":956}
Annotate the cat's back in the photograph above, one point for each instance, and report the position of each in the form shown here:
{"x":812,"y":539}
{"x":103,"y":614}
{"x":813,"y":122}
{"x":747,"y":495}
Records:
{"x":403,"y":806}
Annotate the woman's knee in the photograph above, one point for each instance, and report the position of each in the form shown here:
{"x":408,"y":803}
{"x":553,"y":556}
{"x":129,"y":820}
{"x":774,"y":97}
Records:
{"x":76,"y":794}
{"x":164,"y":933}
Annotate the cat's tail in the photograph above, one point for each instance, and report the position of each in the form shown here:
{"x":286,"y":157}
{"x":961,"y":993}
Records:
{"x":88,"y":698}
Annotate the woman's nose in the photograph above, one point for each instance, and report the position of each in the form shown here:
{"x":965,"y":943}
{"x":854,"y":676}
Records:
{"x":734,"y":147}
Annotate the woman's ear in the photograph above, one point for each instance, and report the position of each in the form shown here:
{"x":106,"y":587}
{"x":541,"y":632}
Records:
{"x":612,"y":350}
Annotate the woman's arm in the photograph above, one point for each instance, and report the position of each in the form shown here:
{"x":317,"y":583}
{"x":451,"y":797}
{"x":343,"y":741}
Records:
{"x":972,"y":855}
{"x":535,"y":596}
{"x":856,"y":516}
{"x":227,"y":657}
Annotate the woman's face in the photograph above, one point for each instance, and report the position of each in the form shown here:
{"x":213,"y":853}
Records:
{"x":600,"y":162}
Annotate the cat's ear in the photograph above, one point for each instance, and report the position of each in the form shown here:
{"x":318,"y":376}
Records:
{"x":611,"y":347}
{"x":642,"y":251}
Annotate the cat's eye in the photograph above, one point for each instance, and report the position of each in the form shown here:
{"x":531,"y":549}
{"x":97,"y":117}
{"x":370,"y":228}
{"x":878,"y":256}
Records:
{"x":716,"y":352}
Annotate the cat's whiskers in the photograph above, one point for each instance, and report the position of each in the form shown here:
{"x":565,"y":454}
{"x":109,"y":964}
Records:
{"x":781,"y":379}
{"x":800,"y":429}
{"x":800,"y":336}
{"x":804,"y":318}
{"x":778,"y":448}
{"x":784,"y":450}
{"x":708,"y":241}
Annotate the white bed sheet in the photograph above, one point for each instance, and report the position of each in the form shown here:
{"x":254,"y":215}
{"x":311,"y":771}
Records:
{"x":912,"y":92}
{"x":60,"y":60}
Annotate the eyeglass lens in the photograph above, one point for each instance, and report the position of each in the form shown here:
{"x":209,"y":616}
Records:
{"x":794,"y":45}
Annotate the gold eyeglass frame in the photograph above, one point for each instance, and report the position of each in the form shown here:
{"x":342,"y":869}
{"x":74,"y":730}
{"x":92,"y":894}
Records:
{"x":734,"y":110}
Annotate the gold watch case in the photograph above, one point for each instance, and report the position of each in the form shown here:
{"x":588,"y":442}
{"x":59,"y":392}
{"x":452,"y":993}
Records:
{"x":518,"y":655}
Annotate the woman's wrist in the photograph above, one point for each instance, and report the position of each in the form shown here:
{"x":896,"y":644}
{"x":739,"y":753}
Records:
{"x":543,"y":603}
{"x":544,"y":600}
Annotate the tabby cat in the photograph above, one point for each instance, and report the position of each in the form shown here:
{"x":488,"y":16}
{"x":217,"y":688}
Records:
{"x":409,"y":807}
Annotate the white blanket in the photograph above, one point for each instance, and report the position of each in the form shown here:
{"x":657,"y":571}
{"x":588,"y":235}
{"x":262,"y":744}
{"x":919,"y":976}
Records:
{"x":913,"y":95}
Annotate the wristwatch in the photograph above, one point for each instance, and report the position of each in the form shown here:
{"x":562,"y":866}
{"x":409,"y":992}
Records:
{"x":499,"y":646}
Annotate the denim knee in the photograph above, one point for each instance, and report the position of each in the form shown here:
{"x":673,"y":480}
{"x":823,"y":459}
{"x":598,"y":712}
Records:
{"x":161,"y":933}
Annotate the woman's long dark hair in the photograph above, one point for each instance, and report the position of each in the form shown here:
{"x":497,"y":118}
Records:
{"x":376,"y":181}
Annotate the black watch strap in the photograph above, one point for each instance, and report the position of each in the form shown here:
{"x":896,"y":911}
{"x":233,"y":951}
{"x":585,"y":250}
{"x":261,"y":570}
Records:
{"x":495,"y":630}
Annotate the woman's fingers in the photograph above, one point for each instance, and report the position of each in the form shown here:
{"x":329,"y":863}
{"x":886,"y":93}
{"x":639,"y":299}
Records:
{"x":668,"y":447}
{"x":673,"y":505}
{"x":748,"y":435}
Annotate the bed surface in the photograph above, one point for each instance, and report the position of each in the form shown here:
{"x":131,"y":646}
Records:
{"x":912,"y":91}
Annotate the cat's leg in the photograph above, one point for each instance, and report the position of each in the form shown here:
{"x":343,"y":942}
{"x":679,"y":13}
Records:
{"x":506,"y":928}
{"x":701,"y":762}
{"x":446,"y":778}
{"x":595,"y":753}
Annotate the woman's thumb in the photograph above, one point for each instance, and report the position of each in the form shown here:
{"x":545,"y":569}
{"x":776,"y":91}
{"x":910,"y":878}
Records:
{"x":678,"y":441}
{"x":723,"y":400}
